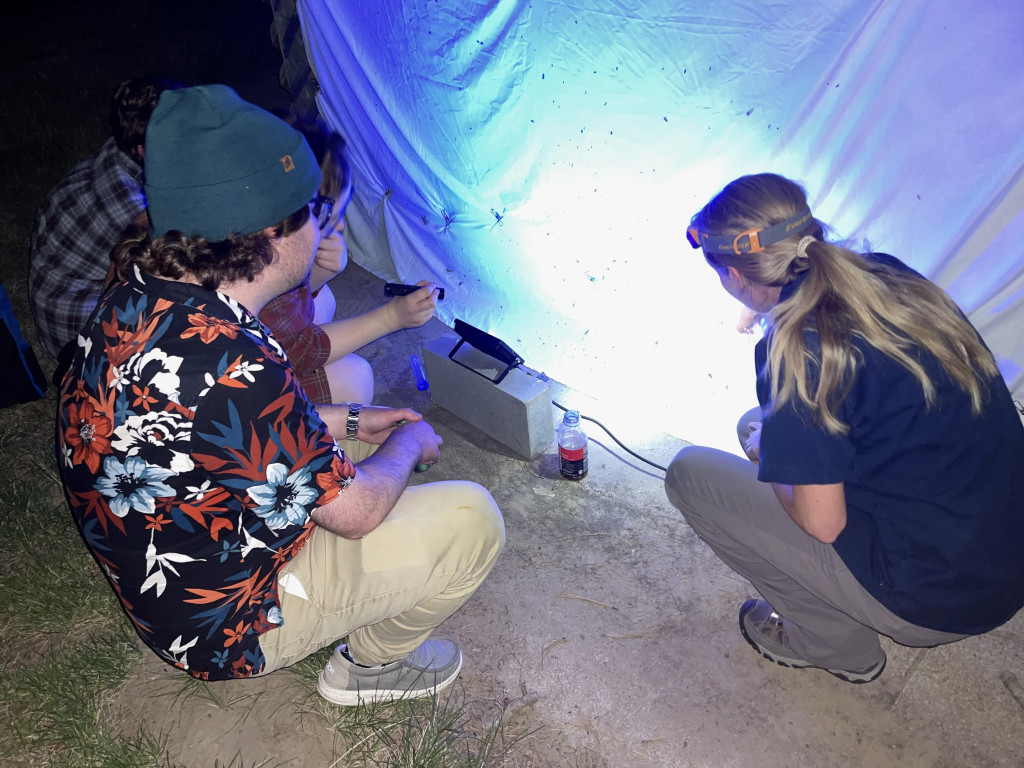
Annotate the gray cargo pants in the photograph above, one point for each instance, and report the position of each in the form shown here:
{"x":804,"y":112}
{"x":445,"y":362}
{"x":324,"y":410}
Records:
{"x":835,"y":622}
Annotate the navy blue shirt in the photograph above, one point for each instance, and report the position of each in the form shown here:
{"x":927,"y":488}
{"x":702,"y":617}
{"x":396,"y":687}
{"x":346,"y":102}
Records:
{"x":934,"y":497}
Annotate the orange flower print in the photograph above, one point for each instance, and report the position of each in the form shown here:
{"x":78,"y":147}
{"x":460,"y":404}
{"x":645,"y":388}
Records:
{"x":235,"y":635}
{"x":332,"y":483}
{"x":156,"y":522}
{"x":208,"y":328}
{"x":142,"y":397}
{"x":88,"y":434}
{"x":80,"y":393}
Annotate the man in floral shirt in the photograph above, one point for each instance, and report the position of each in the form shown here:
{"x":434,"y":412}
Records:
{"x":236,"y":532}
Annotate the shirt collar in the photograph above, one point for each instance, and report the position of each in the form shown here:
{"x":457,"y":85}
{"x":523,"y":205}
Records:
{"x":214,"y":303}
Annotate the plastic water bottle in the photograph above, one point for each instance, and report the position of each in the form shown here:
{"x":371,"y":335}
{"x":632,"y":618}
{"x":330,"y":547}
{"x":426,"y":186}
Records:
{"x":572,"y":447}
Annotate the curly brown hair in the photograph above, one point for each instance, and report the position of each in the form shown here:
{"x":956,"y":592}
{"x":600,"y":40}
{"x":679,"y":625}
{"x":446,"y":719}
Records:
{"x":131,"y":106}
{"x":210,"y":263}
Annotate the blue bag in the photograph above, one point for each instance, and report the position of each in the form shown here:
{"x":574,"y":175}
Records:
{"x":22,"y":378}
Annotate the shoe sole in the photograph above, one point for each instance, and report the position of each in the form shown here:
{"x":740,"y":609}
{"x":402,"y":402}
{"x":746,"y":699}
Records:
{"x":355,"y":698}
{"x":848,"y":677}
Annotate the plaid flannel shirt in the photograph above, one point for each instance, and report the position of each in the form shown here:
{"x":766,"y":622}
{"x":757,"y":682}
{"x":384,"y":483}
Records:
{"x":78,"y":224}
{"x":290,"y":318}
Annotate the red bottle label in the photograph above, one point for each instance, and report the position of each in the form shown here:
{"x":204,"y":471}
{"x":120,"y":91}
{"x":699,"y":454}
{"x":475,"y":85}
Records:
{"x":572,"y":454}
{"x":573,"y":462}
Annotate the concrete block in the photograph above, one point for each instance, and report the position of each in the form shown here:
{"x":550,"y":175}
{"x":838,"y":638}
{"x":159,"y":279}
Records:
{"x":515,"y":412}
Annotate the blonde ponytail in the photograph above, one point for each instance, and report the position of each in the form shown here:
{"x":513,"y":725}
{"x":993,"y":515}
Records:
{"x":842,"y":296}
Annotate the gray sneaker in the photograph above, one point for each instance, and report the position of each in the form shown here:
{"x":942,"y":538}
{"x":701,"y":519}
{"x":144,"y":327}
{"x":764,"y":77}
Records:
{"x":430,"y":668}
{"x":765,"y":630}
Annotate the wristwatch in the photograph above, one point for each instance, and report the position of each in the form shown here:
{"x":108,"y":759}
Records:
{"x":352,"y":422}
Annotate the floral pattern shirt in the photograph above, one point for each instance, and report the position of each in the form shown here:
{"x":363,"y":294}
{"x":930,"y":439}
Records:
{"x":191,"y":461}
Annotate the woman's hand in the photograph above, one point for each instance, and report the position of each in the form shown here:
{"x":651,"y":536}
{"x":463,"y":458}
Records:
{"x":752,"y":447}
{"x":414,"y":309}
{"x":820,"y":510}
{"x":749,"y":319}
{"x":332,"y":255}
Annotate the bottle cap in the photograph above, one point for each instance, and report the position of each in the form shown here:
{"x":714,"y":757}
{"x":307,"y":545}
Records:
{"x":571,"y":418}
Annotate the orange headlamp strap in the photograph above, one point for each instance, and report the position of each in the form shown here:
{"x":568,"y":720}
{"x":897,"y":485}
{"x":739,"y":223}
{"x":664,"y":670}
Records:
{"x":751,"y":241}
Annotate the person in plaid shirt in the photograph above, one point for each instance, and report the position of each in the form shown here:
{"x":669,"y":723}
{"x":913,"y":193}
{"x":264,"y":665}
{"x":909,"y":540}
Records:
{"x":320,"y":348}
{"x":84,"y":216}
{"x":215,"y":497}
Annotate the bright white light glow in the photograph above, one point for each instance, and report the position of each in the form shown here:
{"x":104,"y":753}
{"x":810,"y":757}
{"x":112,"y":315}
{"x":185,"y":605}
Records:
{"x":540,"y":160}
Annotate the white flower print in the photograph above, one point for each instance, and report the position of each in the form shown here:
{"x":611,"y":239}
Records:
{"x":157,"y":579}
{"x":209,"y":381}
{"x":118,"y":380}
{"x":245,"y":369}
{"x":132,"y":485}
{"x":165,"y":376}
{"x":197,"y":492}
{"x":283,"y":499}
{"x":156,"y":428}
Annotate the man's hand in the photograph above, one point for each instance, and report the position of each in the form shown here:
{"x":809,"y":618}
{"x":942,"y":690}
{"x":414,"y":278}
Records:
{"x":430,"y":442}
{"x":376,"y":422}
{"x":414,"y":309}
{"x":752,"y":447}
{"x":380,"y":479}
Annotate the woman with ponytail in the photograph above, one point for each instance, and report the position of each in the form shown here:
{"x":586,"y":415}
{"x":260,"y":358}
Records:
{"x":884,"y":492}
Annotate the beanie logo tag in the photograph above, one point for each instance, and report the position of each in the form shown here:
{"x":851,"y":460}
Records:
{"x":287,"y":163}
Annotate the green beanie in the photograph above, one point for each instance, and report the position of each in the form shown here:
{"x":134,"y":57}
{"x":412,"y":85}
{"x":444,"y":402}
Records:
{"x":216,"y":164}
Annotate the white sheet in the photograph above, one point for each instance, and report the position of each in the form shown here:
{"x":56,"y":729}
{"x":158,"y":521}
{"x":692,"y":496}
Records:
{"x":540,"y":160}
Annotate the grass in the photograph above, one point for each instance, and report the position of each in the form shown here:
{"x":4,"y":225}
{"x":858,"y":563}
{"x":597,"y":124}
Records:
{"x":53,"y":705}
{"x":69,"y":662}
{"x":443,"y":730}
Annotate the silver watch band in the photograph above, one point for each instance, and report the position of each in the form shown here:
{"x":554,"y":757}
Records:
{"x":352,"y":422}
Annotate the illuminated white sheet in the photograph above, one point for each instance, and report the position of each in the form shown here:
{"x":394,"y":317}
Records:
{"x":540,"y":160}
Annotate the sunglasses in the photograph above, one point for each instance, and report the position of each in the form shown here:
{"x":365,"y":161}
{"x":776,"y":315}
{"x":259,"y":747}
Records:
{"x":323,"y":207}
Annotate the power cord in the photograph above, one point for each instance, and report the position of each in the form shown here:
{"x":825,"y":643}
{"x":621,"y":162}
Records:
{"x":613,"y":437}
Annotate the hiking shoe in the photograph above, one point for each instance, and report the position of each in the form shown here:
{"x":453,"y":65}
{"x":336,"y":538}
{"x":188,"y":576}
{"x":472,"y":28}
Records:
{"x":430,"y":668}
{"x":765,"y":630}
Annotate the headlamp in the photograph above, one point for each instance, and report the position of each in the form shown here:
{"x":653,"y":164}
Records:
{"x":751,"y":241}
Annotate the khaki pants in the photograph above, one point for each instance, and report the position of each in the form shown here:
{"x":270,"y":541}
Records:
{"x":389,"y":590}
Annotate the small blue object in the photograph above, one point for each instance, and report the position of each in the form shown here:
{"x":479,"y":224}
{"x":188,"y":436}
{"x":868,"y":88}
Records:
{"x":417,"y":371}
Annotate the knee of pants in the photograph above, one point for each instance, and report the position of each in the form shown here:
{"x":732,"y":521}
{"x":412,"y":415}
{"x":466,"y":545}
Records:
{"x":691,"y":467}
{"x":360,"y":365}
{"x":480,"y":517}
{"x":742,"y":426}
